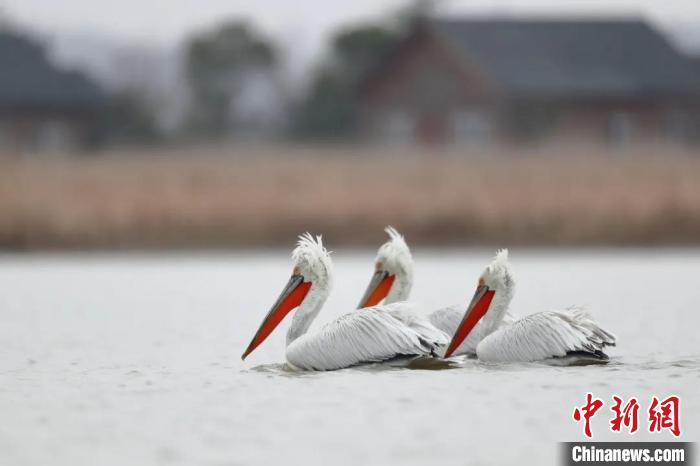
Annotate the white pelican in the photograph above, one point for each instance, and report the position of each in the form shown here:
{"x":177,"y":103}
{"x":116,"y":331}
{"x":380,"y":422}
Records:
{"x":393,"y":272}
{"x":537,"y":337}
{"x":392,"y":282}
{"x":376,"y":334}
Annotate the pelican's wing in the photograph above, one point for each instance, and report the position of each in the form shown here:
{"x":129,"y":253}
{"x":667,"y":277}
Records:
{"x":448,"y":319}
{"x":370,"y":335}
{"x":407,"y":313}
{"x":546,"y":335}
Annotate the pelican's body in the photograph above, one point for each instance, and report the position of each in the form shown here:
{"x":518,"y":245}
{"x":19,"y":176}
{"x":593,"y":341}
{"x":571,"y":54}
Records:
{"x":547,"y":335}
{"x":447,"y":319}
{"x":536,"y":337}
{"x":393,"y":281}
{"x":380,"y":333}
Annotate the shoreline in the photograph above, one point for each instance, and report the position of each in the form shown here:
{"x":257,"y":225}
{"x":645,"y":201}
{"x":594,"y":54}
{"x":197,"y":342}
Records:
{"x":257,"y":197}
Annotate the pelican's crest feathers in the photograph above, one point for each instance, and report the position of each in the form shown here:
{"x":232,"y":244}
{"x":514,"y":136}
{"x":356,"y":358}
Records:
{"x":499,"y":270}
{"x":311,"y":253}
{"x":395,"y":253}
{"x":501,"y":257}
{"x":396,"y":237}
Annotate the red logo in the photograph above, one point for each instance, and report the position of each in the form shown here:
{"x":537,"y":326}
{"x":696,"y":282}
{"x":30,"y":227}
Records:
{"x":663,"y":415}
{"x":587,"y":411}
{"x":627,"y":415}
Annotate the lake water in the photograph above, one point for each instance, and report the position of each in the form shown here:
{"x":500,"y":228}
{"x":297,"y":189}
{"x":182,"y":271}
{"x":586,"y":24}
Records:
{"x":135,"y":359}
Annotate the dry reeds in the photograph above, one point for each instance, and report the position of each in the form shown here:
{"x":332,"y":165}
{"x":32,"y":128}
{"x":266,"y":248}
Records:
{"x":266,"y":195}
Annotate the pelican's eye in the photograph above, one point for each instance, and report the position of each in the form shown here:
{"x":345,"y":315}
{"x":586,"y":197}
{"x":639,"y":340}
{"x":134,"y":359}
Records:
{"x":481,"y":281}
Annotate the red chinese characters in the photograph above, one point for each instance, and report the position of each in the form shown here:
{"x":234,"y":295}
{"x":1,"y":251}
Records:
{"x":587,"y":411}
{"x":665,"y":415}
{"x":627,"y":415}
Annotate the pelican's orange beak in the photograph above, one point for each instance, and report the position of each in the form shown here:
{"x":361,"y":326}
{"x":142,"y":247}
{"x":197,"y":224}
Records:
{"x":291,"y":297}
{"x":476,"y":310}
{"x":378,"y":289}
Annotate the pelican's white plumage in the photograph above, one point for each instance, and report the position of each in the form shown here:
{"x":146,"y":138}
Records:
{"x":376,"y":334}
{"x":546,"y":335}
{"x":394,"y":259}
{"x":447,"y":320}
{"x":536,"y":337}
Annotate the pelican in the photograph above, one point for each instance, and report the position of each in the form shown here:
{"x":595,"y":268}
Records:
{"x":376,"y":334}
{"x":392,"y":282}
{"x":536,"y":337}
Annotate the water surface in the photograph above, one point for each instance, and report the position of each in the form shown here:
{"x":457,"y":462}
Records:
{"x":135,"y":359}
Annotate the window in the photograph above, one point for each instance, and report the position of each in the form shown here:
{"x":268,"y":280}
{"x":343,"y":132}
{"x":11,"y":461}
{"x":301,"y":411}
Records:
{"x":621,"y":126}
{"x":398,"y":127}
{"x":5,"y":135}
{"x":472,"y":127}
{"x":54,"y":136}
{"x":676,"y":126}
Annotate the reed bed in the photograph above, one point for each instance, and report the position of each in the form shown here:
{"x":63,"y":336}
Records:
{"x":216,"y":197}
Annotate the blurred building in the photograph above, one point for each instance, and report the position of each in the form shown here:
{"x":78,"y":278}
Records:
{"x":482,"y":80}
{"x":43,"y":108}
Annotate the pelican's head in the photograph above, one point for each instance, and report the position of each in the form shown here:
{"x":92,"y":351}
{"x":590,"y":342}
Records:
{"x":311,"y":275}
{"x":494,"y":290}
{"x":312,"y":260}
{"x":393,"y":272}
{"x":498,"y":275}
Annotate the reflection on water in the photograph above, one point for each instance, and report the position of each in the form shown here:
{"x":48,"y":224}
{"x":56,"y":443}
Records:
{"x":435,"y":364}
{"x":136,"y":360}
{"x":400,"y":363}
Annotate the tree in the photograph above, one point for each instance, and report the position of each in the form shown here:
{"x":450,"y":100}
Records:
{"x":357,"y":49}
{"x":127,"y":119}
{"x":217,"y":63}
{"x":328,"y":110}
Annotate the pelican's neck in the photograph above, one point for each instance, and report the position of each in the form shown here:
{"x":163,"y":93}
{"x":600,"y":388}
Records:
{"x":400,"y":289}
{"x":497,"y":310}
{"x":308,"y":309}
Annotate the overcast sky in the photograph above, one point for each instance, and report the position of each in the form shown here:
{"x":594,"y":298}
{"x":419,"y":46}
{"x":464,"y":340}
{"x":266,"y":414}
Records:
{"x":167,"y":21}
{"x":300,"y":27}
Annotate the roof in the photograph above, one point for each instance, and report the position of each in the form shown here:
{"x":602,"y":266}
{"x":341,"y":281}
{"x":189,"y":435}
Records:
{"x":29,"y":81}
{"x":696,"y":61}
{"x":580,"y":58}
